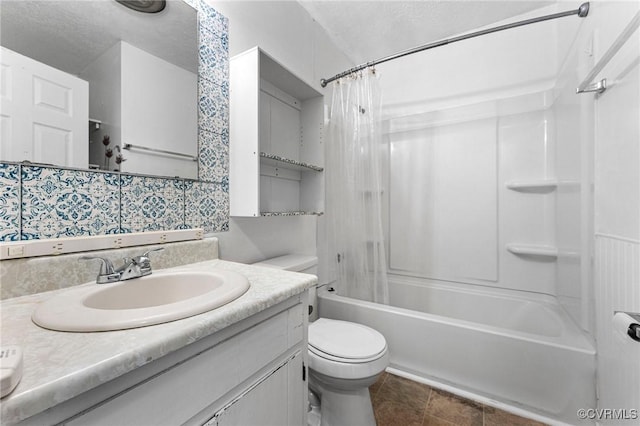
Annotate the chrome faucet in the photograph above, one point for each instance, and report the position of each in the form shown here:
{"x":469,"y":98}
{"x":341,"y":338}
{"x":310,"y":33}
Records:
{"x":136,"y":267}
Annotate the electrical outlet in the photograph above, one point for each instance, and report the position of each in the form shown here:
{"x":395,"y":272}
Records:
{"x":58,"y":248}
{"x":16,"y":251}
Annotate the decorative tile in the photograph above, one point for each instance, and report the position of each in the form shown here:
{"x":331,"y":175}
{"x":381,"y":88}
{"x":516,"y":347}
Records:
{"x":214,"y":158}
{"x":214,"y":58}
{"x":68,"y":203}
{"x":213,"y":107}
{"x":9,"y":202}
{"x":208,"y":206}
{"x":151,"y":204}
{"x":225,"y":184}
{"x":212,"y":20}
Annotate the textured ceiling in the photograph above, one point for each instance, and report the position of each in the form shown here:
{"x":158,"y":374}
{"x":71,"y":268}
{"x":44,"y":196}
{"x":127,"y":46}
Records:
{"x":70,"y":34}
{"x":368,"y":30}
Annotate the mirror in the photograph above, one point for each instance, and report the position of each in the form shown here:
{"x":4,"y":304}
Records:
{"x":102,"y":83}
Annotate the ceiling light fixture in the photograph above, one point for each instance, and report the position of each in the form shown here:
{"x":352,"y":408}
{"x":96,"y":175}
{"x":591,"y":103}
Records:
{"x":146,"y":6}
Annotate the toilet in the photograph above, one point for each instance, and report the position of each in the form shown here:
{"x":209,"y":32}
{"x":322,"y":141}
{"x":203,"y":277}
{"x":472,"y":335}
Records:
{"x":345,"y":358}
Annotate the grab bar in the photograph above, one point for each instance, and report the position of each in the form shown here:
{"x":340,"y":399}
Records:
{"x":129,"y":146}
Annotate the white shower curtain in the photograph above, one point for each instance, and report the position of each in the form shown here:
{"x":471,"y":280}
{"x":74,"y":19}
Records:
{"x":354,"y":190}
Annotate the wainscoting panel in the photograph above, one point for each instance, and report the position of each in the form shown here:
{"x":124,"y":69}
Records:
{"x":617,"y":288}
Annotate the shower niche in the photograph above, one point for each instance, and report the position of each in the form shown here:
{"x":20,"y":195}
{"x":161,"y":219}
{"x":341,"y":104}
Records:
{"x":276,"y":130}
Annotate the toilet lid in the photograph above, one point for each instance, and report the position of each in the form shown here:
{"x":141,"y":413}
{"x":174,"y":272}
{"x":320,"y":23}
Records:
{"x":344,"y":339}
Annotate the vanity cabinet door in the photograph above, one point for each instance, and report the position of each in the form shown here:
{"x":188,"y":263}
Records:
{"x":189,"y":387}
{"x":277,"y":400}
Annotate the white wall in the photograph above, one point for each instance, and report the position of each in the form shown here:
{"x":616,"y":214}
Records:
{"x":503,"y":64}
{"x":105,"y":102}
{"x":162,"y":119}
{"x":124,"y":95}
{"x":287,"y":32}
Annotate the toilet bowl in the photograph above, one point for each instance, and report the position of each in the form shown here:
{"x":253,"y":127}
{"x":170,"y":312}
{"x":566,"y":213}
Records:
{"x":345,"y":358}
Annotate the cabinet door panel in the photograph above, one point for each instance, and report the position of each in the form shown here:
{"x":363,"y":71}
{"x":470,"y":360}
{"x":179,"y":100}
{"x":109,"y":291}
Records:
{"x":276,"y":401}
{"x":297,"y":390}
{"x":174,"y":396}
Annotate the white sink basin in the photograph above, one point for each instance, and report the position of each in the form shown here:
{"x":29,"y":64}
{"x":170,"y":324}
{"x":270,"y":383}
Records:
{"x":154,"y":299}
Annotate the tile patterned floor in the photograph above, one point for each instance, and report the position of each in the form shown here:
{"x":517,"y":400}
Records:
{"x":401,"y":402}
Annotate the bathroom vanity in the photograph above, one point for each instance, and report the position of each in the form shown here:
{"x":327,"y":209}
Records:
{"x":242,"y":363}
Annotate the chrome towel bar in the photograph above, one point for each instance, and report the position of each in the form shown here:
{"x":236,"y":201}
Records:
{"x":129,"y":146}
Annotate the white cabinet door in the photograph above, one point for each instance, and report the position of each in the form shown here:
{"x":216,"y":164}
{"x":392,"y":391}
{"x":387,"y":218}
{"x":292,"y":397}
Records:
{"x":278,"y":400}
{"x":45,"y":113}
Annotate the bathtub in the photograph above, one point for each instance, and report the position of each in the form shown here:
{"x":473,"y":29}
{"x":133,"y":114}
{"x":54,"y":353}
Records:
{"x":523,"y":355}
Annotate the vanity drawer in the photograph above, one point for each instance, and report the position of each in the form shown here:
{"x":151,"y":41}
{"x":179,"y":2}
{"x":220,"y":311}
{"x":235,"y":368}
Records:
{"x":174,"y":395}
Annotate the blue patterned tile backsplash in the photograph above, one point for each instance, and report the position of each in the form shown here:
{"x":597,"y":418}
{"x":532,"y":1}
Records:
{"x":214,"y":59}
{"x":68,"y":203}
{"x":207,"y":204}
{"x":48,"y":202}
{"x":215,"y":155}
{"x":9,"y":202}
{"x":213,"y":87}
{"x":151,"y":204}
{"x":213,"y":107}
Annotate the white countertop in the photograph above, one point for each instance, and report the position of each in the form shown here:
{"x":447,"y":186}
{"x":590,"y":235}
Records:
{"x":59,"y":366}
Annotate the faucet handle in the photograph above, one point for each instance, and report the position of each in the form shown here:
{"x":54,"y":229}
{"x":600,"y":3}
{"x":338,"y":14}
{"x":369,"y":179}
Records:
{"x":144,"y":262}
{"x":107,"y":272}
{"x":106,"y":267}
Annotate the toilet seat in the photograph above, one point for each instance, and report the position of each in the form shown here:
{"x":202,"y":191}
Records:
{"x":345,"y":340}
{"x":347,"y":350}
{"x":330,"y":357}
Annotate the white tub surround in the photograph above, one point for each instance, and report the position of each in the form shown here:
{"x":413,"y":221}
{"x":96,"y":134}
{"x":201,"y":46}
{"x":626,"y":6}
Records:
{"x":516,"y":352}
{"x":60,"y":366}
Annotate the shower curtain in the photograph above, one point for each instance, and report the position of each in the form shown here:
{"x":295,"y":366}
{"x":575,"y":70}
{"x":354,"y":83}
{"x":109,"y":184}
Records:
{"x":354,"y":190}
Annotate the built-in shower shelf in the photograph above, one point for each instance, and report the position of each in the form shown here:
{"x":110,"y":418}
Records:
{"x":285,"y":163}
{"x":542,"y":185}
{"x":533,"y":250}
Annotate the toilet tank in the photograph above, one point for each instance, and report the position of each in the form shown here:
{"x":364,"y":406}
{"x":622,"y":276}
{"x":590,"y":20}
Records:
{"x":292,"y":262}
{"x":298,"y":263}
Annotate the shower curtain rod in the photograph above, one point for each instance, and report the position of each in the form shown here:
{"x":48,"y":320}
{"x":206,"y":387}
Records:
{"x":582,"y":11}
